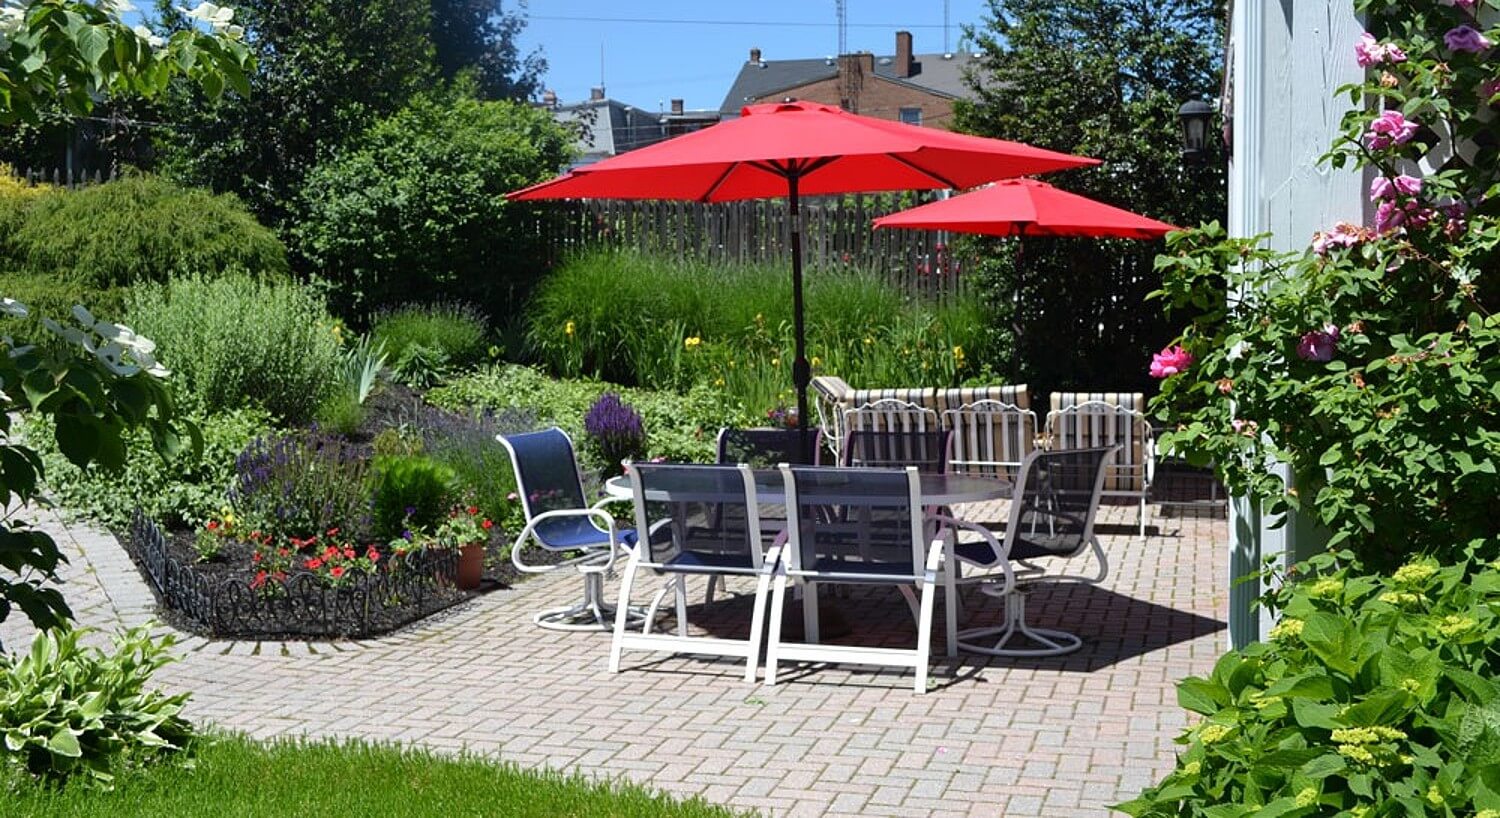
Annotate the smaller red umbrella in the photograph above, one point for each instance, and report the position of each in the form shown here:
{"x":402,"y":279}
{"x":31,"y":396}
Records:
{"x":1026,"y":207}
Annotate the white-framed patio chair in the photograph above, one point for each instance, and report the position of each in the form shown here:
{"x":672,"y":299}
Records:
{"x":831,"y":398}
{"x":990,"y":438}
{"x":888,"y":415}
{"x":1084,"y":420}
{"x":926,"y":449}
{"x":1062,"y":488}
{"x":855,"y":526}
{"x":559,"y":520}
{"x":701,"y":520}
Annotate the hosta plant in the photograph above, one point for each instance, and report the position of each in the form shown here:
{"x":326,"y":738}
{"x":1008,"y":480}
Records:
{"x":1376,"y":696}
{"x":68,"y":709}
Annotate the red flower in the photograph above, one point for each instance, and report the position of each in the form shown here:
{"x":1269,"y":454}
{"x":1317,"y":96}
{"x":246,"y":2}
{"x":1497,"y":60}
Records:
{"x":372,"y":555}
{"x":333,"y":532}
{"x":348,"y":553}
{"x":473,"y":509}
{"x":314,"y":564}
{"x":260,"y":579}
{"x":331,"y":551}
{"x":283,"y":552}
{"x":213,"y":525}
{"x":255,"y":557}
{"x":336,"y":571}
{"x":278,"y":575}
{"x":487,"y":525}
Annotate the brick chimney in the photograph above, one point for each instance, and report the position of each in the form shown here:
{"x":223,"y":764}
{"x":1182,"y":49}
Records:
{"x":755,"y":55}
{"x":677,"y":107}
{"x":903,"y":54}
{"x":596,"y":93}
{"x":861,"y":63}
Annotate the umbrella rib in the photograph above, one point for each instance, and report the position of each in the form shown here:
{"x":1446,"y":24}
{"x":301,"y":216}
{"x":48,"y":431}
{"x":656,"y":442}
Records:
{"x":948,"y":183}
{"x":714,"y":188}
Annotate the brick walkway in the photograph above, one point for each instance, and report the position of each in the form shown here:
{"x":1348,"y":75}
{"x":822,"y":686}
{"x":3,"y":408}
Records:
{"x":1000,"y":737}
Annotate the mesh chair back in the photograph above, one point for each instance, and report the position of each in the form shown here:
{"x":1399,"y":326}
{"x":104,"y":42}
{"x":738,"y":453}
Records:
{"x":927,"y":450}
{"x":698,"y":516}
{"x":1098,"y":422}
{"x":768,"y":448}
{"x":546,"y":471}
{"x":1057,"y":498}
{"x":990,"y":438}
{"x":863,"y":524}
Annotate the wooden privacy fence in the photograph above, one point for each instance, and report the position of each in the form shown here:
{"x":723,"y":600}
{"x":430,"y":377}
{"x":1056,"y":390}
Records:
{"x":836,"y":234}
{"x":69,"y":178}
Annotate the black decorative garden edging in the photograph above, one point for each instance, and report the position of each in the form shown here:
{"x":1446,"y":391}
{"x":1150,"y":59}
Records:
{"x":421,"y":584}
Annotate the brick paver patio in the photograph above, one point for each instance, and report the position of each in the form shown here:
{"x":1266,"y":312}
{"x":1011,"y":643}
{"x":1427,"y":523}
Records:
{"x":1000,"y":737}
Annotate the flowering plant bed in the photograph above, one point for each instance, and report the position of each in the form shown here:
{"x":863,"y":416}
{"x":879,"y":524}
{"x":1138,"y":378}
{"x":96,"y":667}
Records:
{"x":281,"y":597}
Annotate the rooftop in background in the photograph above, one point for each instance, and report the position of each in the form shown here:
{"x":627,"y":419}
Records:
{"x":611,"y":127}
{"x":760,"y":79}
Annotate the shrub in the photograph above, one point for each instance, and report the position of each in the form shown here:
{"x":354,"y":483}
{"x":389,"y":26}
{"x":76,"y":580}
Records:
{"x":411,"y":492}
{"x":418,"y":204}
{"x":615,"y":432}
{"x":16,"y":197}
{"x":341,"y":411}
{"x":680,"y":427}
{"x":235,"y":341}
{"x":1375,"y":691}
{"x":185,"y":490}
{"x":142,"y":228}
{"x":52,"y":296}
{"x":301,"y":484}
{"x":730,"y":327}
{"x":467,"y":445}
{"x":68,"y":709}
{"x":426,"y":341}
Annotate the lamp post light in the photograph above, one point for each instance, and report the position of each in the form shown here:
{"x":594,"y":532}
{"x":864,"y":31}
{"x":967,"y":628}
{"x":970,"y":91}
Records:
{"x":1196,"y":117}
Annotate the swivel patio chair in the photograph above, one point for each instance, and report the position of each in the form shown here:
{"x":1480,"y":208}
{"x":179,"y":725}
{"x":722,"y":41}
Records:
{"x":1063,"y":489}
{"x":701,"y":521}
{"x":855,"y":526}
{"x":1083,"y":420}
{"x":559,"y":520}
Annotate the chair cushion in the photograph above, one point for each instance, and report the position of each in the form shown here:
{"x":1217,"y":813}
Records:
{"x":876,"y":571}
{"x":979,"y":552}
{"x":574,"y":533}
{"x":697,"y":562}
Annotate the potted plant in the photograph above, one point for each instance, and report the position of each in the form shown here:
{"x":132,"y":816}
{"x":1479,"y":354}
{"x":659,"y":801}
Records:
{"x":468,"y":531}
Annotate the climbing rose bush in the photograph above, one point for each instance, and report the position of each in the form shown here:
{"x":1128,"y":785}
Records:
{"x":1369,"y":363}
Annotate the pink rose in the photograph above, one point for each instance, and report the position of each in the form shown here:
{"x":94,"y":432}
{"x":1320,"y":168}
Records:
{"x":1170,"y":361}
{"x":1319,"y":345}
{"x":1384,"y":187}
{"x":1390,"y":128}
{"x":1343,"y":234}
{"x":1369,"y":51}
{"x":1466,"y":38}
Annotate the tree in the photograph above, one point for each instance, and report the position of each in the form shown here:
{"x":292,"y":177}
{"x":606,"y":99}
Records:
{"x":416,"y":208}
{"x":103,"y":379}
{"x":479,"y":36}
{"x":327,"y":69}
{"x":1102,"y":78}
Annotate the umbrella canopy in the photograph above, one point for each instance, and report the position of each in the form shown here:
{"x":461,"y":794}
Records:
{"x":1026,"y":207}
{"x":800,"y":148}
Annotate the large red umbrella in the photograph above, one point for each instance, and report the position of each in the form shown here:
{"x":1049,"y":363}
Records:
{"x":1026,"y":207}
{"x":795,"y":148}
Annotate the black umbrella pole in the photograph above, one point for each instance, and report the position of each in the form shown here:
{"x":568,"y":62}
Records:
{"x":801,"y":371}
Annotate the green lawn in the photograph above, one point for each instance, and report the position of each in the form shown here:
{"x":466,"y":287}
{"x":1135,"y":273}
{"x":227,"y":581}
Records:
{"x":236,"y":776}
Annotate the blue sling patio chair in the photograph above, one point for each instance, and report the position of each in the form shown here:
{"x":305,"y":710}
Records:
{"x":559,"y":520}
{"x":702,"y":520}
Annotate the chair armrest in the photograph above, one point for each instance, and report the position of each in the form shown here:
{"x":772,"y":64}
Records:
{"x":589,"y":563}
{"x":1002,"y":551}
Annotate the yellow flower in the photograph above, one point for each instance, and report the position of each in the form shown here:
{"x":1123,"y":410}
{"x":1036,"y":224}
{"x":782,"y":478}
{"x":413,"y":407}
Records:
{"x":869,"y":340}
{"x":692,"y":342}
{"x":1192,"y":767}
{"x":775,"y":362}
{"x":719,"y":382}
{"x":1327,"y":587}
{"x":1399,"y":598}
{"x":1213,"y":732}
{"x":1434,"y":794}
{"x":816,"y":361}
{"x":958,"y":352}
{"x":731,"y":363}
{"x":1354,"y":752}
{"x":1307,"y":797}
{"x":568,"y":329}
{"x":1415,"y":572}
{"x":1287,"y":629}
{"x":1452,"y":626}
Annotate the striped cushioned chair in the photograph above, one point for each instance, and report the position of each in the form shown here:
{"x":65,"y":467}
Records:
{"x":990,"y":438}
{"x":1086,"y":420}
{"x":835,"y":397}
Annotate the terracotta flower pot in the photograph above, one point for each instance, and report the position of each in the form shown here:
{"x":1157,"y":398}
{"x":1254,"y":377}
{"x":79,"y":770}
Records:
{"x":470,"y":566}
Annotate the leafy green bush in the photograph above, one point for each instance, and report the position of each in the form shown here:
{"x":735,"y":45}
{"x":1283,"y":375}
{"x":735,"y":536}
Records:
{"x":234,"y":341}
{"x":425,"y":341}
{"x":730,"y":326}
{"x":183,"y":491}
{"x":1376,"y":696}
{"x":341,"y":411}
{"x":467,"y":445}
{"x":411,"y":491}
{"x":52,"y":296}
{"x":142,"y":228}
{"x":16,"y":197}
{"x":418,"y":204}
{"x":678,"y":426}
{"x":68,"y":709}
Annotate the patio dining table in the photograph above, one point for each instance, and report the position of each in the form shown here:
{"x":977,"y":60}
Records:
{"x":937,"y":490}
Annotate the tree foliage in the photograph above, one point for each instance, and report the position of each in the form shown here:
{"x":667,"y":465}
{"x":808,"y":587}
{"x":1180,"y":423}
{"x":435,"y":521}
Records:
{"x":479,"y":37}
{"x":1102,"y":78}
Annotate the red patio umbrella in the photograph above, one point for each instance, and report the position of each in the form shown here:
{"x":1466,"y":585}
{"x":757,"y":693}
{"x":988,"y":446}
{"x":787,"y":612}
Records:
{"x":800,"y":148}
{"x":1027,"y":207}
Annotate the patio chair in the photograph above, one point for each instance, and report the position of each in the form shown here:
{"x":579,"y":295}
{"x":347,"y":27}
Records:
{"x":1063,"y":488}
{"x":701,"y":521}
{"x":926,"y":450}
{"x":559,"y":521}
{"x":768,"y":448}
{"x":990,"y":438}
{"x":1083,"y":420}
{"x":855,"y":526}
{"x":831,"y":398}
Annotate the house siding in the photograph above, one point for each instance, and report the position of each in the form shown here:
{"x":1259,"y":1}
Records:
{"x":881,"y":98}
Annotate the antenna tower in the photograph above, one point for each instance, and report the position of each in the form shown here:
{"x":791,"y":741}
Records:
{"x":946,"y":49}
{"x":841,"y":9}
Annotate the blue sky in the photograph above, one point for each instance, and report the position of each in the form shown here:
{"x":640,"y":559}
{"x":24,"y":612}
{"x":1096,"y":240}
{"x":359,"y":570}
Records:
{"x":650,"y":63}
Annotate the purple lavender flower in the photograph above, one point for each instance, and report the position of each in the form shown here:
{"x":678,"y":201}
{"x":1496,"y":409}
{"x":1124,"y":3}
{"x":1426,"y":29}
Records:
{"x":616,"y":430}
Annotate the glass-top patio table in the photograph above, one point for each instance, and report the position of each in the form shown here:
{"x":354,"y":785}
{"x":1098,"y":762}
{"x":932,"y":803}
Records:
{"x":937,"y":490}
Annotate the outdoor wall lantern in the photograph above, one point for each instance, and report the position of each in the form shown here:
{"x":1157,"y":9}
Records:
{"x":1196,"y":117}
